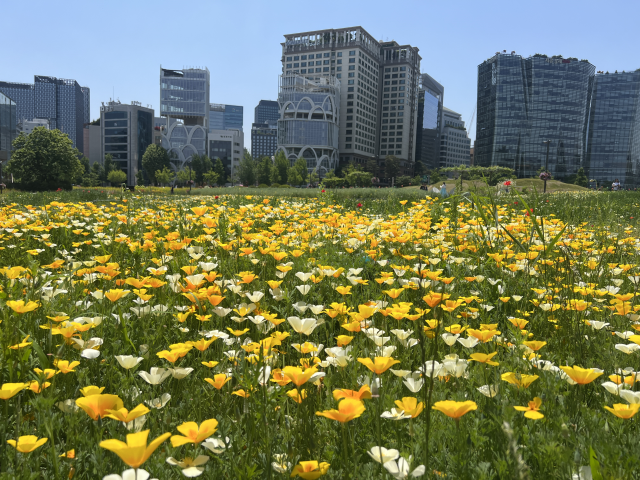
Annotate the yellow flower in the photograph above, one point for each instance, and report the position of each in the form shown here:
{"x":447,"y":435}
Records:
{"x":348,"y":409}
{"x":519,"y":380}
{"x":91,"y":390}
{"x":343,"y":340}
{"x":299,"y":376}
{"x":535,"y":345}
{"x":310,"y":470}
{"x":8,"y":390}
{"x":125,"y":415}
{"x":116,"y":294}
{"x":344,"y":290}
{"x":410,"y":406}
{"x":297,"y":396}
{"x":65,"y":367}
{"x":98,"y":406}
{"x":379,"y":364}
{"x":582,"y":376}
{"x":532,"y":411}
{"x":621,"y":410}
{"x":363,"y":394}
{"x":455,"y":409}
{"x":193,"y":433}
{"x":27,"y":443}
{"x":484,"y":358}
{"x":136,"y":451}
{"x":22,"y":344}
{"x":19,"y":306}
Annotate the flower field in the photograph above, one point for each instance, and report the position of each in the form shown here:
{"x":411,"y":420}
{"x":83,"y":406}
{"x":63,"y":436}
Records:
{"x":275,"y":337}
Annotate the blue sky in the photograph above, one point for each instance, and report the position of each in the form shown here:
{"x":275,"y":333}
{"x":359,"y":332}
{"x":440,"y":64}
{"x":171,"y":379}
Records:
{"x":120,"y":45}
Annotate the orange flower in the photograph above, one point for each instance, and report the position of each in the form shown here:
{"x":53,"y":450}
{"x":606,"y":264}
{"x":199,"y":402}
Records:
{"x":125,"y":415}
{"x":299,"y":376}
{"x":483,"y":335}
{"x":194,"y":433}
{"x":218,"y":380}
{"x":363,"y":394}
{"x":433,"y":298}
{"x":455,"y":409}
{"x":348,"y":409}
{"x":65,"y":367}
{"x":310,"y":470}
{"x":484,"y":358}
{"x":379,"y":364}
{"x":116,"y":294}
{"x":297,"y":396}
{"x":532,"y":410}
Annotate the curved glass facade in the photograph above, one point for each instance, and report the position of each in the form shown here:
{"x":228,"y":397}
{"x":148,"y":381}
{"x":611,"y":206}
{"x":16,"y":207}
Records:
{"x":308,"y":125}
{"x":613,"y":147}
{"x":524,"y":101}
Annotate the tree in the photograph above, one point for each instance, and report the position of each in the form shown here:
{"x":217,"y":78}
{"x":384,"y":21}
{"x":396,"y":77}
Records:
{"x":372,"y":167}
{"x":263,"y":171}
{"x":140,"y":178}
{"x":246,"y":172}
{"x":294,"y":177}
{"x":117,"y":177}
{"x":184,"y":175}
{"x":280,"y":168}
{"x":155,"y":159}
{"x":109,"y":165}
{"x":392,"y":166}
{"x":211,"y":177}
{"x":200,"y":164}
{"x":163,"y":176}
{"x":45,"y":160}
{"x":220,"y":170}
{"x":581,"y":178}
{"x":313,"y":178}
{"x":301,"y":166}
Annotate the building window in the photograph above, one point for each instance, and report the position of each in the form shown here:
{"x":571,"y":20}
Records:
{"x":352,"y":60}
{"x":296,"y":65}
{"x":288,"y":65}
{"x":304,"y":57}
{"x":352,"y":67}
{"x":304,"y":64}
{"x":304,"y":70}
{"x":350,"y":82}
{"x":318,"y":70}
{"x":402,"y":69}
{"x":350,"y":96}
{"x":352,"y":53}
{"x":339,"y":75}
{"x":350,"y":89}
{"x":326,"y":69}
{"x":326,"y":62}
{"x":339,"y":54}
{"x":348,"y":139}
{"x":351,"y":74}
{"x":288,"y":59}
{"x":339,"y":69}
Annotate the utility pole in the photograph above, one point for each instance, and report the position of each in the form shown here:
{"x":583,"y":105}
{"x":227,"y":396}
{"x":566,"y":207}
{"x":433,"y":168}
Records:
{"x":546,"y":166}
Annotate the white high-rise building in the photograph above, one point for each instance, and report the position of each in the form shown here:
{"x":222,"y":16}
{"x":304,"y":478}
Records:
{"x":376,"y":84}
{"x":455,"y":144}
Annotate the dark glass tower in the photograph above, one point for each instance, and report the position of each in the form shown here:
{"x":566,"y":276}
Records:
{"x":613,"y":146}
{"x":265,"y":111}
{"x":63,"y":102}
{"x":524,"y":101}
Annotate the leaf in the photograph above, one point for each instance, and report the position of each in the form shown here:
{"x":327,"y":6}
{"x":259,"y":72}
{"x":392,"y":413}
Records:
{"x":595,"y":465}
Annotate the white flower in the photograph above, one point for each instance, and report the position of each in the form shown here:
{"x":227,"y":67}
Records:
{"x":598,"y":325}
{"x":280,"y":465}
{"x":395,"y":414}
{"x":179,"y":373}
{"x":128,"y":361}
{"x":488,"y":390}
{"x":190,"y":467}
{"x":630,"y":396}
{"x":155,"y":376}
{"x":401,"y":469}
{"x":316,"y":309}
{"x":305,"y":326}
{"x":216,"y":445}
{"x":207,"y":267}
{"x":303,"y":289}
{"x":136,"y":424}
{"x":628,"y":349}
{"x":450,"y":339}
{"x":383,"y":455}
{"x":255,"y":297}
{"x":300,"y":307}
{"x":303,"y":276}
{"x":414,"y":385}
{"x":468,"y":342}
{"x":625,"y":335}
{"x":131,"y":474}
{"x":68,"y":406}
{"x":613,"y":388}
{"x":90,"y":353}
{"x":159,"y":402}
{"x":400,"y":373}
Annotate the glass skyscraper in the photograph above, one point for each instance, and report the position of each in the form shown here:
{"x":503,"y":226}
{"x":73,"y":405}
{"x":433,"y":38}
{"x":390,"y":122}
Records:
{"x":524,"y":101}
{"x":224,"y":117}
{"x":8,"y":120}
{"x":432,"y":97}
{"x":64,"y":103}
{"x":266,"y":110}
{"x":613,"y":145}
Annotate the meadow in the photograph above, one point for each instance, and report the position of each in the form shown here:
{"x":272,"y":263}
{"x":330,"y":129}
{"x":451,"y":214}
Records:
{"x":341,"y":334}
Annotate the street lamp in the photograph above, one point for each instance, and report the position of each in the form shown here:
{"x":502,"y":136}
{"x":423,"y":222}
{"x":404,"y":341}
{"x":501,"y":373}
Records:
{"x":546,"y":166}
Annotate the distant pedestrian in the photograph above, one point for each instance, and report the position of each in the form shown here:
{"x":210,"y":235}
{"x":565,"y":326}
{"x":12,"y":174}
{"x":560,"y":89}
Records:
{"x":172,"y":187}
{"x":443,"y":189}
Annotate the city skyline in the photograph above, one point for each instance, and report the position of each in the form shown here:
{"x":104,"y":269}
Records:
{"x":452,"y":42}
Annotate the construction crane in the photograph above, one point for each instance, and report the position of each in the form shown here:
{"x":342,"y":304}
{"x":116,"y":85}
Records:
{"x":473,"y":115}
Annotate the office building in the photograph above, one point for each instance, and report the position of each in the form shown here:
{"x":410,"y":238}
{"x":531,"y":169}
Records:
{"x":63,"y":103}
{"x":224,"y":117}
{"x":613,"y":144}
{"x":308,"y":125}
{"x":471,"y":157}
{"x":431,"y":100}
{"x":226,"y":145}
{"x":455,"y":144}
{"x":184,"y":96}
{"x":377,"y":87}
{"x":126,"y":132}
{"x":264,"y":139}
{"x":8,"y":129}
{"x":265,"y":111}
{"x":27,"y":126}
{"x":523,"y":102}
{"x":93,"y":143}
